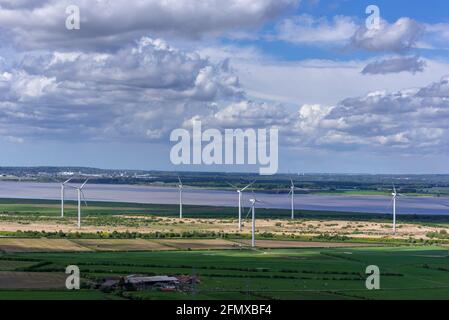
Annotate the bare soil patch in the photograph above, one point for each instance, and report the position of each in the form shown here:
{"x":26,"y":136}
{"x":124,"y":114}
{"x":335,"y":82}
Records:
{"x":39,"y":245}
{"x":122,"y":245}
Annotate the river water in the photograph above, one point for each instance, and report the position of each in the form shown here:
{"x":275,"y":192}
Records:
{"x":193,"y":196}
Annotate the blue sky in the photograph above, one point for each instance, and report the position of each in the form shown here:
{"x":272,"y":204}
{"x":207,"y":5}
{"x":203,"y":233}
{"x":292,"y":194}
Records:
{"x":344,"y":98}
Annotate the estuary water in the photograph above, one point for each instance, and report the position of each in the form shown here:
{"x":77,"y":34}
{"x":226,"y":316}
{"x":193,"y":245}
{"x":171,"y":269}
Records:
{"x":193,"y":196}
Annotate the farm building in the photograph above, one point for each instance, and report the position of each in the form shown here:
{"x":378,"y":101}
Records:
{"x":143,"y":283}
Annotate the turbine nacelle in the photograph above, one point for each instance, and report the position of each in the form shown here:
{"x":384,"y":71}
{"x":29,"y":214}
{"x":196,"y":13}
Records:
{"x":240,"y":192}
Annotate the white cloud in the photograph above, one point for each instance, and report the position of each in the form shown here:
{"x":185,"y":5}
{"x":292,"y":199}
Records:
{"x":246,"y":114}
{"x":399,"y":36}
{"x":410,"y":120}
{"x":137,"y":93}
{"x":389,"y":65}
{"x":110,"y":24}
{"x":310,"y":30}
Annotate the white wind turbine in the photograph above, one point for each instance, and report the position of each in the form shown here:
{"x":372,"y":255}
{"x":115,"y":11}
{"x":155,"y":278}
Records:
{"x":395,"y":196}
{"x":180,"y":186}
{"x":253,"y":202}
{"x":292,"y":195}
{"x":62,"y":196}
{"x":80,"y":194}
{"x":239,"y":191}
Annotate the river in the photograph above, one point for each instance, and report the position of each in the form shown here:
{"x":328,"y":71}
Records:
{"x":193,"y":196}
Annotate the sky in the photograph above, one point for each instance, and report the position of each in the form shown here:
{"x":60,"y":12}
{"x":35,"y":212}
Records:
{"x":346,"y":96}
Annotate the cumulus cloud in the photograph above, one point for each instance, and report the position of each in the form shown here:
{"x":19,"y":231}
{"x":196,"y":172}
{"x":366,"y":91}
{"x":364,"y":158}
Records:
{"x":411,"y":64}
{"x":399,"y":36}
{"x":245,"y":114}
{"x":407,"y":120}
{"x":411,"y":121}
{"x":308,"y":29}
{"x":108,"y":24}
{"x":140,"y":92}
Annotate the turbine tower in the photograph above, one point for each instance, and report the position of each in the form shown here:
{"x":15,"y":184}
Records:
{"x":62,"y":196}
{"x":239,"y":191}
{"x":292,"y":196}
{"x":180,"y":186}
{"x":292,"y":193}
{"x":80,"y":195}
{"x":394,"y":194}
{"x":253,"y":224}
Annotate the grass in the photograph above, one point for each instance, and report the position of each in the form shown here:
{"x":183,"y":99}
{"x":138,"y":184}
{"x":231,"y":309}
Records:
{"x":333,"y":273}
{"x":26,"y":210}
{"x":225,"y":271}
{"x":55,"y":295}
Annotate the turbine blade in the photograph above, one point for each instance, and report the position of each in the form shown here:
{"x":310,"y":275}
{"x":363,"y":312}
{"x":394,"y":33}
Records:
{"x":179,"y":179}
{"x":390,"y":205}
{"x":67,"y":181}
{"x":248,"y":186}
{"x":291,"y":180}
{"x":235,"y":187}
{"x":249,"y":211}
{"x":85,"y":182}
{"x":84,"y":198}
{"x":443,"y":204}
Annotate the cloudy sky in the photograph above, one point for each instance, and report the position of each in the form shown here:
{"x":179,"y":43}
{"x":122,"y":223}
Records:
{"x":345,"y":98}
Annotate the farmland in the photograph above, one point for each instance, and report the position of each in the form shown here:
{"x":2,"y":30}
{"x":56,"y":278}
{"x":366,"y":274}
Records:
{"x":39,"y":218}
{"x":320,"y":255}
{"x":309,"y":273}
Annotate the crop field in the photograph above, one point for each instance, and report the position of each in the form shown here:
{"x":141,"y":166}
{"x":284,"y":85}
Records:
{"x":105,"y":245}
{"x":272,"y":244}
{"x":121,"y":244}
{"x":38,"y":245}
{"x":310,"y":273}
{"x":32,"y":280}
{"x":198,"y":244}
{"x":317,"y":256}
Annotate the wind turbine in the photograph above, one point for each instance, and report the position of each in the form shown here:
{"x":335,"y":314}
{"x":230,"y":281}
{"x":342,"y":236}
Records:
{"x":239,"y":191}
{"x":292,"y":194}
{"x":80,"y":194}
{"x":62,"y":196}
{"x":395,"y":196}
{"x":253,"y":202}
{"x":180,"y":186}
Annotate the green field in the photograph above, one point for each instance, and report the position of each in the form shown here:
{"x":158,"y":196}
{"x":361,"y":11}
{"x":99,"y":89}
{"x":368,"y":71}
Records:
{"x":225,"y":271}
{"x":41,"y":209}
{"x":406,"y":273}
